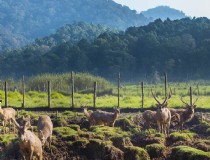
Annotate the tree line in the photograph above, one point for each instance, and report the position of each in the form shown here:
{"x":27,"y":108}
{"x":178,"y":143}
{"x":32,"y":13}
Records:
{"x":179,"y":47}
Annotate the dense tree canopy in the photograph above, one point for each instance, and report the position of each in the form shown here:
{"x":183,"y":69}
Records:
{"x":180,"y":48}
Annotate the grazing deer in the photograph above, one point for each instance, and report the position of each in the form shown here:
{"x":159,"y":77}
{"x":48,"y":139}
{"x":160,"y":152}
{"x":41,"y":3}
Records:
{"x":45,"y":129}
{"x":6,"y":114}
{"x":187,"y":114}
{"x":103,"y":117}
{"x":30,"y":144}
{"x":163,"y":114}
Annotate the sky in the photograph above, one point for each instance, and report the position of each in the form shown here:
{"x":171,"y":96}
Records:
{"x":193,"y":8}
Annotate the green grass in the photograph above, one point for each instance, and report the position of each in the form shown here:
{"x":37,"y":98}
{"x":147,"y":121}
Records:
{"x":130,"y":97}
{"x":186,"y":152}
{"x":182,"y":136}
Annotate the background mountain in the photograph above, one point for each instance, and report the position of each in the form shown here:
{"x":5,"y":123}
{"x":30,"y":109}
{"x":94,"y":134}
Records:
{"x":23,"y":21}
{"x":179,"y":47}
{"x":163,"y":12}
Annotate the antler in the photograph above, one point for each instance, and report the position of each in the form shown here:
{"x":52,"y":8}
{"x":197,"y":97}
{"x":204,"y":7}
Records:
{"x":183,"y":101}
{"x":155,"y":97}
{"x":167,"y":98}
{"x":196,"y":100}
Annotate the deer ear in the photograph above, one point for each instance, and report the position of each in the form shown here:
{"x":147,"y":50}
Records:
{"x":194,"y":106}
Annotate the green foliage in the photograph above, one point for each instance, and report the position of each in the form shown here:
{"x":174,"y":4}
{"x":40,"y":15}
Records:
{"x":168,"y":46}
{"x":155,"y":150}
{"x":6,"y":139}
{"x":62,"y":83}
{"x":186,"y":152}
{"x":136,"y":153}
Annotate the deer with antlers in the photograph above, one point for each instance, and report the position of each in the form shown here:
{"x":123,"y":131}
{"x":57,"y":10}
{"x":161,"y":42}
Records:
{"x":163,"y":114}
{"x":187,"y":114}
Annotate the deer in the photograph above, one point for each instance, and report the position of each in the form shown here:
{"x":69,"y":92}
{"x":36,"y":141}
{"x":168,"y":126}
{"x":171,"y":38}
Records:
{"x":149,"y":117}
{"x":30,"y":144}
{"x":103,"y":117}
{"x":187,"y":114}
{"x":88,"y":115}
{"x":45,"y":129}
{"x":6,"y":114}
{"x":163,"y":114}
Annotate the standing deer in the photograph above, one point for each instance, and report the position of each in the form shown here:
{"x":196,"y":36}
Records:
{"x":30,"y":144}
{"x":45,"y":128}
{"x":149,"y":117}
{"x":6,"y":114}
{"x":163,"y":114}
{"x":187,"y":114}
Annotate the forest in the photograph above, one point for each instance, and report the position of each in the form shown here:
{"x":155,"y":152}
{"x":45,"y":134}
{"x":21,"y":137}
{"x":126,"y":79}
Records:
{"x":179,"y":47}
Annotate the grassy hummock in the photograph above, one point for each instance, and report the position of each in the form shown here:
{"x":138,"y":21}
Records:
{"x":189,"y":153}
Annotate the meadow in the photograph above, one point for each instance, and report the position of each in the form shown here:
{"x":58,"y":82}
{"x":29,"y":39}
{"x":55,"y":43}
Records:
{"x":130,"y":96}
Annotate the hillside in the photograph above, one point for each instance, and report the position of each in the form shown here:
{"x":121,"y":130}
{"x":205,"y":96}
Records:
{"x":180,"y":48}
{"x":25,"y":20}
{"x":163,"y":12}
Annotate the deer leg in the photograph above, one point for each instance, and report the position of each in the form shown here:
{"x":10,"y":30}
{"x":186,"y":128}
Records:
{"x":31,"y":153}
{"x":10,"y":126}
{"x":159,"y":126}
{"x":167,"y":128}
{"x":4,"y":126}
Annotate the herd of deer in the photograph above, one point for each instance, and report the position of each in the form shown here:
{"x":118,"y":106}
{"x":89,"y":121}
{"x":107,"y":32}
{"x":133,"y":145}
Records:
{"x":163,"y":116}
{"x":32,"y":145}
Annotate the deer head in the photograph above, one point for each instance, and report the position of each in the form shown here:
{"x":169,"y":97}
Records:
{"x":190,"y":107}
{"x":164,"y":104}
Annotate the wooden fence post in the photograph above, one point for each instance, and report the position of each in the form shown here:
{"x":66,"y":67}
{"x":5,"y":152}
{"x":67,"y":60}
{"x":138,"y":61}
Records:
{"x":190,"y":95}
{"x":142,"y":94}
{"x":72,"y":89}
{"x":5,"y":93}
{"x":49,"y":94}
{"x":23,"y":92}
{"x":118,"y":89}
{"x":165,"y":79}
{"x":94,"y":94}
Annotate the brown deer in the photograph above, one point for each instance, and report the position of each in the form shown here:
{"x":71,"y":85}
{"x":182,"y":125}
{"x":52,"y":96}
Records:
{"x":149,"y":117}
{"x":45,"y":129}
{"x":103,"y":117}
{"x":6,"y":114}
{"x":163,"y":114}
{"x":30,"y":144}
{"x":187,"y":114}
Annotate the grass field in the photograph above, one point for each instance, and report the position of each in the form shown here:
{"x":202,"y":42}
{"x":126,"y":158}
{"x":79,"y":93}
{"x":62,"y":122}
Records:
{"x":130,"y":96}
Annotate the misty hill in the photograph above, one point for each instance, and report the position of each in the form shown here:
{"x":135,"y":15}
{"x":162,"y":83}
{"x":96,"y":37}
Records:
{"x":24,"y":20}
{"x":163,"y":12}
{"x":179,"y":47}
